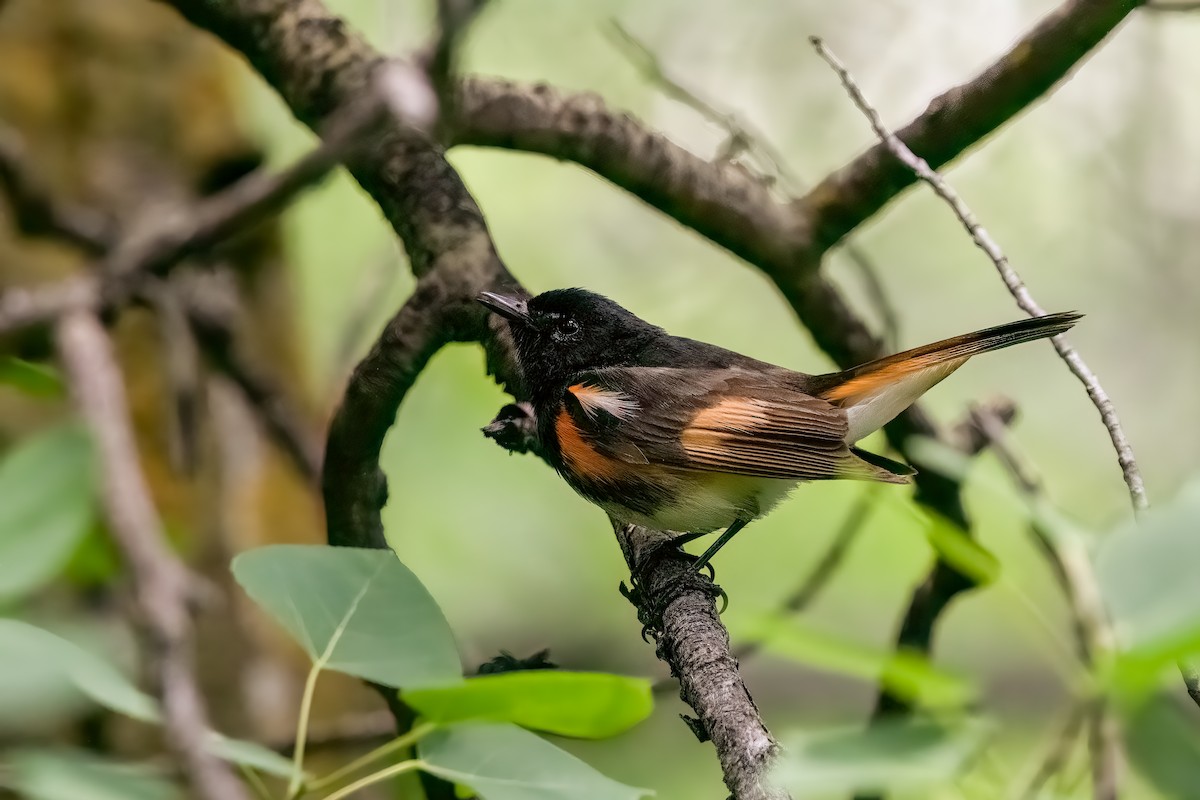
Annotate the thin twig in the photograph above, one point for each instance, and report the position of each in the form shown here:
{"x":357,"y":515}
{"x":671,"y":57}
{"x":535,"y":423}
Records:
{"x":159,"y":244}
{"x":1094,"y":634}
{"x":1016,"y":286}
{"x":743,"y":136}
{"x":163,"y":589}
{"x":34,"y":213}
{"x":214,"y":310}
{"x":1058,"y":753}
{"x":1097,"y":642}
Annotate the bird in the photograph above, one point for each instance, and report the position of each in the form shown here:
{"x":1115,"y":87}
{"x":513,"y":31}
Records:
{"x":679,"y":435}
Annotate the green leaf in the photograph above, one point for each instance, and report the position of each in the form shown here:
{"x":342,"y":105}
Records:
{"x":960,"y":551}
{"x":1147,"y":576}
{"x":46,"y":483}
{"x":907,"y":675}
{"x":503,"y":762}
{"x":36,"y":380}
{"x":252,"y":754}
{"x":354,"y":610}
{"x":887,"y":757}
{"x":587,"y":705}
{"x":1164,"y":748}
{"x":37,"y":662}
{"x":34,"y":654}
{"x":71,"y":775}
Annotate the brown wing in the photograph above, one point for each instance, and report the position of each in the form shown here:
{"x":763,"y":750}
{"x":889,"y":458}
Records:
{"x":721,"y":420}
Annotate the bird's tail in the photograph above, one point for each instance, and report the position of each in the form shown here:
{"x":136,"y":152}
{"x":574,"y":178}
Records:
{"x":874,"y":393}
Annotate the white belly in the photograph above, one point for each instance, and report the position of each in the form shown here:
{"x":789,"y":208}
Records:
{"x":712,"y":503}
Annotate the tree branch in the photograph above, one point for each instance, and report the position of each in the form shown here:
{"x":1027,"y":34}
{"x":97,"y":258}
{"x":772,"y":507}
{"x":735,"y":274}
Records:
{"x":33,"y":209}
{"x":162,"y":587}
{"x":315,"y":62}
{"x":1096,"y":640}
{"x":963,"y":116}
{"x":1016,"y":286}
{"x":676,"y":605}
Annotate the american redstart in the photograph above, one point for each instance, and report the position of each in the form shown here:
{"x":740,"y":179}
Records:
{"x":680,"y":435}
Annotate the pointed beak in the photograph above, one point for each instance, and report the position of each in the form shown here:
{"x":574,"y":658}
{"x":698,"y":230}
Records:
{"x":511,"y":308}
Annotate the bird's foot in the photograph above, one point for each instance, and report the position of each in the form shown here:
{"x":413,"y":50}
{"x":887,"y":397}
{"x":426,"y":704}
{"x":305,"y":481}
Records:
{"x":651,"y":602}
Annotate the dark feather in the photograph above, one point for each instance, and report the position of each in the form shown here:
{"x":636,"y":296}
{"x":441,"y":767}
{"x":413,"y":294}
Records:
{"x":757,"y":424}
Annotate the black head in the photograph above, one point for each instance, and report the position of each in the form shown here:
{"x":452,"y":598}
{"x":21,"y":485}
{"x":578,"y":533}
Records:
{"x":566,"y":331}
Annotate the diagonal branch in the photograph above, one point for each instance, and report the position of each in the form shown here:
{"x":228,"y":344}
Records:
{"x":315,"y":62}
{"x":163,"y":590}
{"x":1073,"y":564}
{"x":964,"y":115}
{"x":1016,"y":287}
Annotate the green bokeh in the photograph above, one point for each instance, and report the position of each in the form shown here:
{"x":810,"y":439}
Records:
{"x":1086,"y":192}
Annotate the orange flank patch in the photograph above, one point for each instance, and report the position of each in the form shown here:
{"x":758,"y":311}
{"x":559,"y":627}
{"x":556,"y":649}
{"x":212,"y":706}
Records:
{"x":580,"y":456}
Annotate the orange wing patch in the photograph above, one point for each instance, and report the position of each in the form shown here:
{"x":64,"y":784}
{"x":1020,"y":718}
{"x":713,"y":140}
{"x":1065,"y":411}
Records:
{"x":716,"y":424}
{"x":581,"y":457}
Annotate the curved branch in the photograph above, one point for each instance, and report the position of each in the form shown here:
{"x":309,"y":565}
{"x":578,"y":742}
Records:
{"x":963,"y":116}
{"x":163,"y":590}
{"x":313,"y":60}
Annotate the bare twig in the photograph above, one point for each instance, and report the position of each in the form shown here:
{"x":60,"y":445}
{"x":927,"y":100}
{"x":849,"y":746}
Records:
{"x":163,"y":589}
{"x":1097,"y":642}
{"x":32,"y":209}
{"x":964,"y":114}
{"x":213,"y":309}
{"x":315,"y":62}
{"x":181,"y":369}
{"x":742,"y":136}
{"x":1094,"y":634}
{"x":165,"y":241}
{"x":1058,"y":753}
{"x":207,"y":303}
{"x":1016,"y":287}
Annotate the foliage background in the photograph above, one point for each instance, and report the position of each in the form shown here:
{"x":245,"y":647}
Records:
{"x":1089,"y":192}
{"x":1094,"y":194}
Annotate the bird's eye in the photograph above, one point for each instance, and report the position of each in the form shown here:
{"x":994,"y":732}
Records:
{"x":566,"y":328}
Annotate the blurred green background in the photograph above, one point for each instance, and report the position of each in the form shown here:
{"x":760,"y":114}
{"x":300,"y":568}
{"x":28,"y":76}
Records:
{"x":1094,"y":194}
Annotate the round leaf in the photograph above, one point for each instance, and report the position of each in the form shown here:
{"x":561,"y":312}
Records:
{"x":46,"y":483}
{"x":252,"y":754}
{"x":36,"y":380}
{"x":38,"y":663}
{"x":503,"y":762}
{"x":587,"y":705}
{"x":71,"y":775}
{"x":354,"y":610}
{"x":895,"y":756}
{"x":905,"y":674}
{"x":32,"y":653}
{"x":1147,"y":577}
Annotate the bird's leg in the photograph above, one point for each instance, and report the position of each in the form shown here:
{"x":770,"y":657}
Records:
{"x":721,"y":541}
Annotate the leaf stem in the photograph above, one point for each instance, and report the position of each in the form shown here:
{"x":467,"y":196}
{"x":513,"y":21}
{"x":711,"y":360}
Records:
{"x":399,"y":743}
{"x":254,"y":782}
{"x":376,"y":777}
{"x":295,"y":785}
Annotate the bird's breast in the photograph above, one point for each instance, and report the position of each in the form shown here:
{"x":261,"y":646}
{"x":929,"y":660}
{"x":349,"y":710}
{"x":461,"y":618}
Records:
{"x":658,"y":496}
